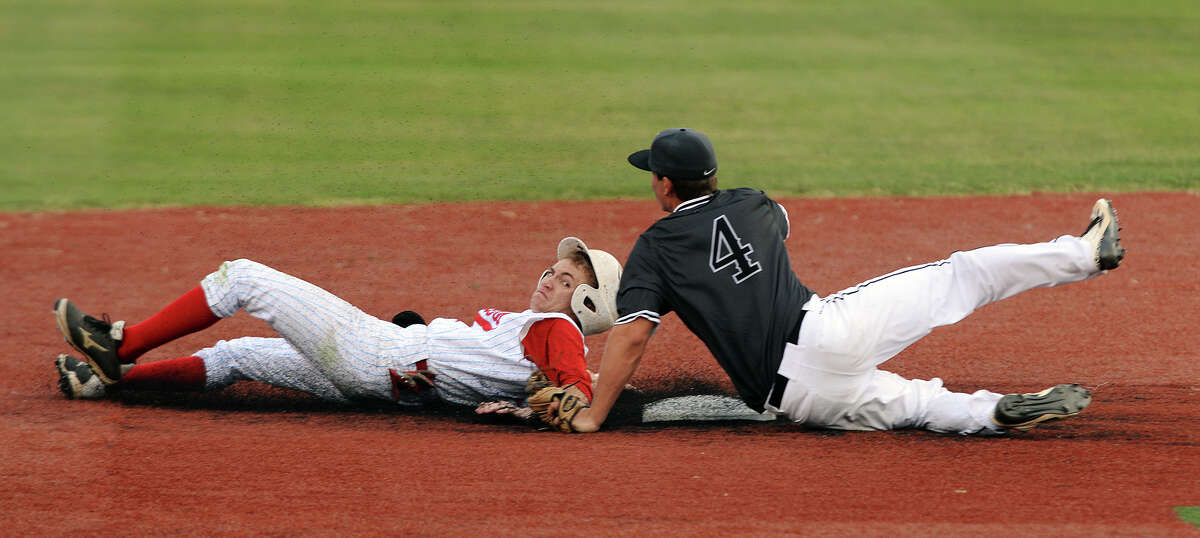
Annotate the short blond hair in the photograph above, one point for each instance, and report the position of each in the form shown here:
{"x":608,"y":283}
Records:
{"x":589,"y":274}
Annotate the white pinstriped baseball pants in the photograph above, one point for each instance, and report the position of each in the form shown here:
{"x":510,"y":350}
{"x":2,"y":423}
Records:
{"x":833,"y":377}
{"x":329,"y":348}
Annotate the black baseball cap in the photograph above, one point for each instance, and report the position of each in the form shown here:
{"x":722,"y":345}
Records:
{"x":679,"y":153}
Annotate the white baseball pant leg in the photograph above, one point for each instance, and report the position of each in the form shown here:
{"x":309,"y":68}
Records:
{"x":833,"y":377}
{"x":267,"y":360}
{"x":350,"y":348}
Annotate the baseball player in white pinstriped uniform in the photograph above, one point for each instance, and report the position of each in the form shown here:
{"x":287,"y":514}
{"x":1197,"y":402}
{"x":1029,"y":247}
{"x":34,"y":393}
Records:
{"x":332,"y":350}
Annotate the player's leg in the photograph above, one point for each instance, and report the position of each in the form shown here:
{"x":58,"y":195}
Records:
{"x":832,"y":368}
{"x":846,"y":335}
{"x":879,"y":400}
{"x":108,"y":345}
{"x":78,"y":380}
{"x":267,"y":360}
{"x":186,"y":315}
{"x":868,"y":324}
{"x":877,"y":319}
{"x":182,"y":374}
{"x":873,"y":321}
{"x":890,"y":401}
{"x":349,"y":347}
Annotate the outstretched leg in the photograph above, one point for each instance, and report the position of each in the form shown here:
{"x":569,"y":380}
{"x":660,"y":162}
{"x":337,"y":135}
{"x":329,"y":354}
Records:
{"x":844,"y":337}
{"x":267,"y":360}
{"x":864,"y":326}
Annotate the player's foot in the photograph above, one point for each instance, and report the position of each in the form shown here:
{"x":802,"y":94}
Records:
{"x":77,"y":380}
{"x":97,"y":339}
{"x":1024,"y":411}
{"x":1103,"y":235}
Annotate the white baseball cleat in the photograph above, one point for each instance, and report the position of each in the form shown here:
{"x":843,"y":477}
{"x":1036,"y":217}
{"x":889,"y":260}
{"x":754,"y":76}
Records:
{"x":76,"y":379}
{"x":1103,"y":235}
{"x":1024,"y":411}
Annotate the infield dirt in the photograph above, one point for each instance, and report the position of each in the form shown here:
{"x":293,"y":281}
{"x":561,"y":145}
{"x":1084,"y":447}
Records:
{"x":257,"y":460}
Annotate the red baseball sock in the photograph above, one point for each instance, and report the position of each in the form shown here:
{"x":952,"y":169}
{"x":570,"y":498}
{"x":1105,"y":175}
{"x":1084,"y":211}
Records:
{"x":188,"y":314}
{"x":182,"y":374}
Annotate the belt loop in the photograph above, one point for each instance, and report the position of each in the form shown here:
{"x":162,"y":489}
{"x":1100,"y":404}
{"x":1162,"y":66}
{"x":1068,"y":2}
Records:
{"x":777,"y":391}
{"x":794,"y":338}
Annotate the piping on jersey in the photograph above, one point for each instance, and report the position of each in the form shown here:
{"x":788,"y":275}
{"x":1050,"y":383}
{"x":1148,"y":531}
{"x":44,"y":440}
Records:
{"x":856,"y":289}
{"x":650,"y":315}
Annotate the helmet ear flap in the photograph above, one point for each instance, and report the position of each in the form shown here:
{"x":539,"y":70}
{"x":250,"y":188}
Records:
{"x":594,"y":313}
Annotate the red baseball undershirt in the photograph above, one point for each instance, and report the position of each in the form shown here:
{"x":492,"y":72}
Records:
{"x":556,"y":346}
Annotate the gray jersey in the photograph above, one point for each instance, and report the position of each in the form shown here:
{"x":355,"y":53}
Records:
{"x":720,"y":263}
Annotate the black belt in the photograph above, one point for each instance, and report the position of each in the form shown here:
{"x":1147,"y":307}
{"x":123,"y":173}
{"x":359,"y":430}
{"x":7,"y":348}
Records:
{"x":781,"y":381}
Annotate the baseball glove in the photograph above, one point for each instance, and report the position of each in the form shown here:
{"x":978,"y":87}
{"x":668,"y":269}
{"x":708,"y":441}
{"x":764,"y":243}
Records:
{"x":537,"y":381}
{"x":570,"y":400}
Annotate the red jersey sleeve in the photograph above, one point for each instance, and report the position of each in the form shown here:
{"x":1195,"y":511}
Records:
{"x":556,"y":346}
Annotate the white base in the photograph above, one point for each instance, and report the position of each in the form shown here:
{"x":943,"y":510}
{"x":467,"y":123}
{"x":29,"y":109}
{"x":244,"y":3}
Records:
{"x":701,"y":407}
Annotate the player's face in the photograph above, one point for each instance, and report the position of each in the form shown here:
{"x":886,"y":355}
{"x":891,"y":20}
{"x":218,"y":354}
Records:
{"x":555,"y":288}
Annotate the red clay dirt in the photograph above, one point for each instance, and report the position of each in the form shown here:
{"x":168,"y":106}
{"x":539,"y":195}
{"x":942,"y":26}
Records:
{"x":257,"y":460}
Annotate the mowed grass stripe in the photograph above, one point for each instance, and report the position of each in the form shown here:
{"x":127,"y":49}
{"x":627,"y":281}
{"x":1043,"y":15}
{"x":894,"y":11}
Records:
{"x":133,"y":103}
{"x":1190,"y":514}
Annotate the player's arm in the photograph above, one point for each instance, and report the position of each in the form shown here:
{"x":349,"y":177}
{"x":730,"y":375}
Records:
{"x":622,"y":353}
{"x":556,"y":346}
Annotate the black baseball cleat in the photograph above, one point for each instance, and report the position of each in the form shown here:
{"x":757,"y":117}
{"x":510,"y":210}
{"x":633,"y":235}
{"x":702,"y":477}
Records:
{"x":97,"y":339}
{"x":76,"y":379}
{"x":1103,"y":233}
{"x":1024,"y":411}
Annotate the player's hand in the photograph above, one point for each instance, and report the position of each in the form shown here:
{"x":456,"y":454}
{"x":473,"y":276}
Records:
{"x":583,"y":421}
{"x":500,"y":407}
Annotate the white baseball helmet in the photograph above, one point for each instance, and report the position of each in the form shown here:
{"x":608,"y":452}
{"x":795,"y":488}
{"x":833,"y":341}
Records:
{"x":595,"y":308}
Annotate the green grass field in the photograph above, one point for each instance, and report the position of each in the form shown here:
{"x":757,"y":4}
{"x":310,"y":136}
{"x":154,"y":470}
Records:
{"x":131,"y":103}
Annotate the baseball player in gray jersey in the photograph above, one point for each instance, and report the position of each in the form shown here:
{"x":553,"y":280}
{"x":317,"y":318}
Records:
{"x":331,"y":349}
{"x":718,"y":260}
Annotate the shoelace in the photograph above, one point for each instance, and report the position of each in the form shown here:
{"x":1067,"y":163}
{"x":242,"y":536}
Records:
{"x":104,"y":324}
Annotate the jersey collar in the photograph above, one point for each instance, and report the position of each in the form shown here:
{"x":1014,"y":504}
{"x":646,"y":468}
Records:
{"x":694,"y":202}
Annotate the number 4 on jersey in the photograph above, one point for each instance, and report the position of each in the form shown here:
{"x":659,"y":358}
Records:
{"x":727,"y":249}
